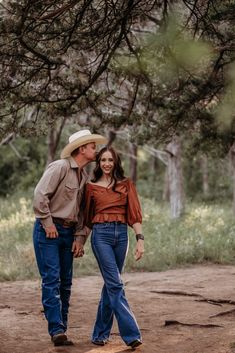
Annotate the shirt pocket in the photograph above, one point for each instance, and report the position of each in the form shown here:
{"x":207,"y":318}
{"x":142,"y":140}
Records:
{"x":70,"y":191}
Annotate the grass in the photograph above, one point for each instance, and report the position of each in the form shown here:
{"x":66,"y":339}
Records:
{"x":206,"y":233}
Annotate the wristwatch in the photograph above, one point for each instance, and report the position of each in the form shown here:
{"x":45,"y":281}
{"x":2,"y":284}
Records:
{"x":139,"y":236}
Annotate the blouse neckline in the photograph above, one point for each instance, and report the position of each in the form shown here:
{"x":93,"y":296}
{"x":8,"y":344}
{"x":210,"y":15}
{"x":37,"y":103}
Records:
{"x":101,"y":186}
{"x":105,"y":187}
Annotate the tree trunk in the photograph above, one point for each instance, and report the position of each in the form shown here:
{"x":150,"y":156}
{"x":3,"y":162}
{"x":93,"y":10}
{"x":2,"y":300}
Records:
{"x":53,"y":140}
{"x":112,"y":137}
{"x":51,"y":146}
{"x":175,"y":178}
{"x":204,"y":170}
{"x":166,"y":191}
{"x":232,"y":158}
{"x":133,"y":162}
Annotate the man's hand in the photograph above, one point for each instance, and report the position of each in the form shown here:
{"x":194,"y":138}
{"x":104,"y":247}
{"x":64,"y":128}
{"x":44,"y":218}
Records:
{"x":51,"y":232}
{"x":78,"y":248}
{"x":139,"y":250}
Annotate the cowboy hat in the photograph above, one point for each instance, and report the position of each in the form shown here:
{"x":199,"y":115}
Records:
{"x":81,"y":138}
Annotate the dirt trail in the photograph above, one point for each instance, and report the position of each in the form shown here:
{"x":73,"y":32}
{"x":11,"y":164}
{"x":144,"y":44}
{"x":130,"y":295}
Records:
{"x":198,"y":303}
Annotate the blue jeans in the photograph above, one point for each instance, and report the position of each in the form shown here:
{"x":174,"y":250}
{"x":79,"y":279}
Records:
{"x":55,"y":263}
{"x":109,"y":243}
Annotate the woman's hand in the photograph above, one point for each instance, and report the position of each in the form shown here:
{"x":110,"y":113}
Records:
{"x":139,"y":249}
{"x":78,"y":248}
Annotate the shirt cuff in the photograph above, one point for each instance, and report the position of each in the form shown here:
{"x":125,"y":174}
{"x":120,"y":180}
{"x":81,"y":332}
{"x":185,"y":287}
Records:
{"x":46,"y":222}
{"x":81,"y":233}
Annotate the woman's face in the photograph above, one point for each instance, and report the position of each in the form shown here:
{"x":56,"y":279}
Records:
{"x":107,"y":163}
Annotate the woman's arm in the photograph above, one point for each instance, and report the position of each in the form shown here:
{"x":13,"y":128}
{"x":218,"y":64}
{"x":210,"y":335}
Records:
{"x":139,"y":249}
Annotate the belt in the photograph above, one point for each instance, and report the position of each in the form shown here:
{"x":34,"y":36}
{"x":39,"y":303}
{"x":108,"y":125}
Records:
{"x":63,"y":222}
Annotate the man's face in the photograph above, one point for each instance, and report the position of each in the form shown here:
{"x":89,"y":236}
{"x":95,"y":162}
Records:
{"x":89,"y":151}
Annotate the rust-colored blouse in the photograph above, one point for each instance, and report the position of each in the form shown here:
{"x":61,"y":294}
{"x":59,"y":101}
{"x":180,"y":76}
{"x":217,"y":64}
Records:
{"x":105,"y":205}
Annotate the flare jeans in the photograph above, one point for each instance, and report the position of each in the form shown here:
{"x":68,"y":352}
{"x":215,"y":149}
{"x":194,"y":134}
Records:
{"x":55,"y":263}
{"x":110,"y":245}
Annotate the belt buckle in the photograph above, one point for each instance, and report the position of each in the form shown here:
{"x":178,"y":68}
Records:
{"x":68,"y":224}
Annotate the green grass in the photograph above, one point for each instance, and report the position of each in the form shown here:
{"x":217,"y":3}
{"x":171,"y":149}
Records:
{"x":206,"y":233}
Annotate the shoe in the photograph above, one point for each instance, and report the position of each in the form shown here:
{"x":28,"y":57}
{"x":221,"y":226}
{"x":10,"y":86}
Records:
{"x":61,"y":339}
{"x":68,"y":343}
{"x":134,"y":344}
{"x":100,"y":343}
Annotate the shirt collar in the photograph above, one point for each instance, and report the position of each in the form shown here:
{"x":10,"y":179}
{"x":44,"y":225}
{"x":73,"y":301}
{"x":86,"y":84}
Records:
{"x":73,"y":163}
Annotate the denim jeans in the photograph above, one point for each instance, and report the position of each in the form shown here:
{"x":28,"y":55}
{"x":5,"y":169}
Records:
{"x":109,"y":243}
{"x":55,"y":262}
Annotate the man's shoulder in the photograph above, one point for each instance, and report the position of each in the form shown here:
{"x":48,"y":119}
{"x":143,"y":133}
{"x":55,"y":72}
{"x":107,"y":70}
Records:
{"x":60,"y":163}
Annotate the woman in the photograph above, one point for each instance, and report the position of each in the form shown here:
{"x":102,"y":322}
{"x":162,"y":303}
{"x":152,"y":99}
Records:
{"x":112,"y":203}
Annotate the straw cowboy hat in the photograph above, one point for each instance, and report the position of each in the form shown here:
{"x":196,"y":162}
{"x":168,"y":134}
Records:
{"x":81,"y":138}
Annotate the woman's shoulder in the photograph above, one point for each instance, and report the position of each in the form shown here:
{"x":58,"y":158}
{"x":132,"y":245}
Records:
{"x":126,"y":180}
{"x":93,"y":186}
{"x":90,"y":184}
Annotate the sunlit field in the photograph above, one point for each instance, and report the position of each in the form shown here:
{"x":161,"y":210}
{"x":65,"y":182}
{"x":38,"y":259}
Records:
{"x":206,"y":233}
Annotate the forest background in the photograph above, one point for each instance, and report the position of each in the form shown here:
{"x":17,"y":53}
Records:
{"x":156,"y":77}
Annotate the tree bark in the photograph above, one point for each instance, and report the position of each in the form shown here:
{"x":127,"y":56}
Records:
{"x":166,"y":191}
{"x":232,"y":159}
{"x":51,"y":150}
{"x":175,"y":177}
{"x":53,"y":140}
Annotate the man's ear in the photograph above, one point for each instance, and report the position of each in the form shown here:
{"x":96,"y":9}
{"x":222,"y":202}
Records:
{"x":82,"y":149}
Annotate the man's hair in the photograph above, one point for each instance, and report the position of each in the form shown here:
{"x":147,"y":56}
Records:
{"x":75,"y":152}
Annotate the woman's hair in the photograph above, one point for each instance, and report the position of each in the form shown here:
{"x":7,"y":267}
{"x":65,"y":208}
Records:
{"x":117,"y":172}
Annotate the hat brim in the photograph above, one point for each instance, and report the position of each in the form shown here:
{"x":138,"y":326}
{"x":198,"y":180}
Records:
{"x":70,"y":147}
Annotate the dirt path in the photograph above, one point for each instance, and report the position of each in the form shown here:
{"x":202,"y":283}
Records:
{"x":183,"y":298}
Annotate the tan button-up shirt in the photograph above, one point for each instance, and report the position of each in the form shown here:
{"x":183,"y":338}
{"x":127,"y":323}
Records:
{"x":59,"y":193}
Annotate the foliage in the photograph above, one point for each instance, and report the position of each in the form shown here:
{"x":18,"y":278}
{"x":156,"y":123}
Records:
{"x":69,"y":60}
{"x":17,"y":258}
{"x":205,"y":233}
{"x":219,"y":179}
{"x":21,"y":171}
{"x":179,"y":72}
{"x":225,"y":111}
{"x":53,"y":52}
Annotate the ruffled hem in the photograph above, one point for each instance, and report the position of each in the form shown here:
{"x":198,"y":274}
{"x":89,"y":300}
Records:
{"x":109,"y":217}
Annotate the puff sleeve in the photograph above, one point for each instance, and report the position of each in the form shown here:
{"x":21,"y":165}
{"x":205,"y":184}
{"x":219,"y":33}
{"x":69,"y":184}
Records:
{"x":89,"y":206}
{"x":134,"y":213}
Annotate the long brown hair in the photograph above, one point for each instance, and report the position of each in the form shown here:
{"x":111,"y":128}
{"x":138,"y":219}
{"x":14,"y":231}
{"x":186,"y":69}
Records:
{"x":117,"y":172}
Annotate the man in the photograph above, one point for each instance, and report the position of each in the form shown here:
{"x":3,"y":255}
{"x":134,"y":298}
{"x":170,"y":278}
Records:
{"x":58,"y":234}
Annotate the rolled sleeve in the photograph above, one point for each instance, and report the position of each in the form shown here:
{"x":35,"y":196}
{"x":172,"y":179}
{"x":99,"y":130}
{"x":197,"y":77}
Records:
{"x":45,"y":189}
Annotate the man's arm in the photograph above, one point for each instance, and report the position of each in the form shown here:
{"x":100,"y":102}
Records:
{"x":80,"y":239}
{"x":45,"y":188}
